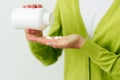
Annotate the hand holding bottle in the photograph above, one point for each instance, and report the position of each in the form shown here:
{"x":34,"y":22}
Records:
{"x":73,"y":40}
{"x":31,"y":16}
{"x":32,"y":32}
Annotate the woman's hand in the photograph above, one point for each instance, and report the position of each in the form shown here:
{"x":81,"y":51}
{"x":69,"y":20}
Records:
{"x":33,"y":6}
{"x":71,"y":41}
{"x":31,"y":32}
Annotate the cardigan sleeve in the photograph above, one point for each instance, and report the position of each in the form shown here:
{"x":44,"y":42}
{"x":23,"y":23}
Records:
{"x":106,"y":60}
{"x":46,"y":54}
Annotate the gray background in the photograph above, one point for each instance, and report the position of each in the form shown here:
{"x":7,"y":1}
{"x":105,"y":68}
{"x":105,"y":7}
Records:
{"x":16,"y":60}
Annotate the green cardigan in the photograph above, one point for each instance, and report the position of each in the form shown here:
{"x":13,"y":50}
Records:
{"x":98,"y":58}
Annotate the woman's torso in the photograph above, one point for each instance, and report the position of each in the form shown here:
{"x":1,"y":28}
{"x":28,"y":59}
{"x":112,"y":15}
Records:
{"x":78,"y":66}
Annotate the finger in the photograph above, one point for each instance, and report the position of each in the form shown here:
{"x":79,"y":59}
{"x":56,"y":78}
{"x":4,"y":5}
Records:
{"x":36,"y":33}
{"x":31,"y":31}
{"x":28,"y":30}
{"x":51,"y":42}
{"x":33,"y":6}
{"x":28,"y":6}
{"x":39,"y":6}
{"x":41,"y":40}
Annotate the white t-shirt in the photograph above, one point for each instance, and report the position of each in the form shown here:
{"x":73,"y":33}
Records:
{"x":92,"y":12}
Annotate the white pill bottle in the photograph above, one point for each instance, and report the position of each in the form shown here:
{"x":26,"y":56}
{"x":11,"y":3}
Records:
{"x":35,"y":18}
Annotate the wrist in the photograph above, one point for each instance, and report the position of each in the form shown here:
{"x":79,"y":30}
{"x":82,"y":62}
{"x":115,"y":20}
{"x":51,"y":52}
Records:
{"x":81,"y":42}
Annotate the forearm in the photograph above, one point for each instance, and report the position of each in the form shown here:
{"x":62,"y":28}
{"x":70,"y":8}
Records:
{"x":43,"y":53}
{"x":106,"y":60}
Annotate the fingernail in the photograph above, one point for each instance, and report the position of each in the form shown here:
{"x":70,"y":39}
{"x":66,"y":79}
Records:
{"x":39,"y":6}
{"x":33,"y":6}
